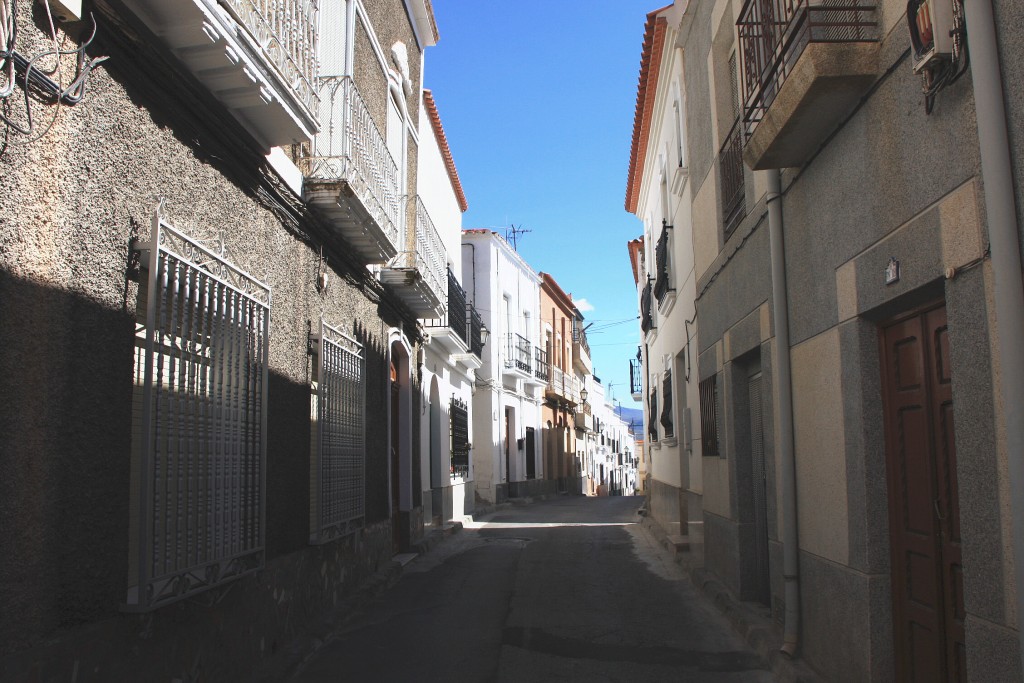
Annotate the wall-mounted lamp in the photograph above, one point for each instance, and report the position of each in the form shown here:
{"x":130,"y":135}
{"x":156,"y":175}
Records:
{"x":583,"y":395}
{"x":484,"y":334}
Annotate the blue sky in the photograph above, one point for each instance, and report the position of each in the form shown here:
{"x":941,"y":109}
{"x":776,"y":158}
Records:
{"x":537,"y":100}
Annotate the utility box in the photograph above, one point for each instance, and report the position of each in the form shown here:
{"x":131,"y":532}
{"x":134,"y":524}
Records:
{"x":930,"y":23}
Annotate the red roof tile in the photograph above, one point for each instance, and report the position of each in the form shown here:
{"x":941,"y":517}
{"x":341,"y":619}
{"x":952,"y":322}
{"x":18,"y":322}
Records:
{"x":446,"y":152}
{"x":647,"y":88}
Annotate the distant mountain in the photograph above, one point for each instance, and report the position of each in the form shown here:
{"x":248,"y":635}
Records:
{"x":636,"y":415}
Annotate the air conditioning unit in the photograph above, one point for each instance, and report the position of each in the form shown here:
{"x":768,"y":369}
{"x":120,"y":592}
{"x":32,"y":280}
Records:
{"x":930,"y":23}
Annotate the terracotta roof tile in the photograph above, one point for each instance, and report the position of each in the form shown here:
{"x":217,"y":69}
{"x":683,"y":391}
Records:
{"x":446,"y":152}
{"x":647,"y":88}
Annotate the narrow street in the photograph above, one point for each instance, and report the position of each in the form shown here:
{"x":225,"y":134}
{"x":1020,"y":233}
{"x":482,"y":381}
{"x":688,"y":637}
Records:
{"x":571,"y":589}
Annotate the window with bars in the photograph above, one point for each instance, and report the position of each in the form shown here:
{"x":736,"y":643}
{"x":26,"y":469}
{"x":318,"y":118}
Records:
{"x":652,"y":420}
{"x":662,"y":282}
{"x":199,"y":421}
{"x":459,"y":417}
{"x":666,"y":410}
{"x":709,"y":424}
{"x":337,"y":476}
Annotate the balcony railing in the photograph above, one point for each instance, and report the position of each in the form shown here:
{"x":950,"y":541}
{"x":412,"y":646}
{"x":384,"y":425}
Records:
{"x":350,"y":149}
{"x":662,"y":286}
{"x":455,"y":319}
{"x":286,"y":31}
{"x":730,"y":174}
{"x":636,"y":382}
{"x":556,"y":382}
{"x":646,"y":316}
{"x":418,"y":273}
{"x":774,"y":33}
{"x":257,"y":57}
{"x":541,"y":367}
{"x":518,"y":355}
{"x":476,"y":326}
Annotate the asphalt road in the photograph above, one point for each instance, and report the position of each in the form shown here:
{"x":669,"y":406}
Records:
{"x":570,"y":589}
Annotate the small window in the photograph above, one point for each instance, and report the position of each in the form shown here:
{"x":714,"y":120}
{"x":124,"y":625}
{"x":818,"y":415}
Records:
{"x":709,"y":426}
{"x":666,"y":411}
{"x":458,"y":413}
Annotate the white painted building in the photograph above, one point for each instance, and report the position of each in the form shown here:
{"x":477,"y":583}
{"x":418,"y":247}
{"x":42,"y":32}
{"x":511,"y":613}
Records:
{"x":451,"y":353}
{"x":506,"y":454}
{"x":657,"y":193}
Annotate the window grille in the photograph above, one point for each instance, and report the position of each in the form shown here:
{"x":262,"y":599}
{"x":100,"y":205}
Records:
{"x":646,"y":314}
{"x":666,"y":411}
{"x":337,"y":471}
{"x":652,"y":421}
{"x":459,"y":415}
{"x":662,"y":284}
{"x":709,"y":426}
{"x":199,"y":421}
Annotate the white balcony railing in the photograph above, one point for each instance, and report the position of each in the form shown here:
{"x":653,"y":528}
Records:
{"x":350,"y":148}
{"x":286,"y":31}
{"x":258,"y":57}
{"x":418,"y":272}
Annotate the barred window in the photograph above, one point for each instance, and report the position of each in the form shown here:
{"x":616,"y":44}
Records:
{"x":652,"y":420}
{"x":709,"y":427}
{"x":666,"y":411}
{"x":199,"y":421}
{"x":337,"y":471}
{"x":459,"y":417}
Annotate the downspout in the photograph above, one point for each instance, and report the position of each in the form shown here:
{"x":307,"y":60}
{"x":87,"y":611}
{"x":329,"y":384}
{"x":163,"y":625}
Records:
{"x":780,"y":309}
{"x":1004,"y":240}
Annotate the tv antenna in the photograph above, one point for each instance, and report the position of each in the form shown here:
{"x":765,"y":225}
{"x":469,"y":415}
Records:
{"x":512,"y":233}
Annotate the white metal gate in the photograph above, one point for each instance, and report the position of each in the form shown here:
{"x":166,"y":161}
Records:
{"x":199,"y":439}
{"x":337,"y":472}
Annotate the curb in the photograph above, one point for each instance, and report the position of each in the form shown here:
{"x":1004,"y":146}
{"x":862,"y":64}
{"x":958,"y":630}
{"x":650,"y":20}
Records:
{"x":759,"y":631}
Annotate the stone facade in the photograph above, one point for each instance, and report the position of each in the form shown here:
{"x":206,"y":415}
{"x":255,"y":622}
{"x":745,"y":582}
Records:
{"x":78,"y":195}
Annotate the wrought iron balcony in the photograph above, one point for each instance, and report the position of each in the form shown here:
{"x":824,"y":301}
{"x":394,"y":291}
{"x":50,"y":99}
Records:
{"x":580,"y":348}
{"x":636,"y":381}
{"x":518,"y":355}
{"x":646,"y":315}
{"x":417,"y":274}
{"x":258,"y":57}
{"x":350,"y":176}
{"x":541,"y":367}
{"x":451,"y":329}
{"x":805,"y":63}
{"x":731,"y":182}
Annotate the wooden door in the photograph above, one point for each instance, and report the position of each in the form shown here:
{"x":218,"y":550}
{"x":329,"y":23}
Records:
{"x":531,"y":455}
{"x":924,"y":511}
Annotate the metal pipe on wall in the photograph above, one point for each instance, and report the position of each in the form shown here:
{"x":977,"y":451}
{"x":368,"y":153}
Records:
{"x":780,"y":311}
{"x":1004,"y":239}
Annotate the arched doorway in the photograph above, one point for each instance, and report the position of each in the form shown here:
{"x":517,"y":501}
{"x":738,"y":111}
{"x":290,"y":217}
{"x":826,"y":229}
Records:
{"x":400,"y":442}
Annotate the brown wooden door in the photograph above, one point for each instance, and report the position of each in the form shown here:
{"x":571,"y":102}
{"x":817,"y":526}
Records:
{"x":924,"y":511}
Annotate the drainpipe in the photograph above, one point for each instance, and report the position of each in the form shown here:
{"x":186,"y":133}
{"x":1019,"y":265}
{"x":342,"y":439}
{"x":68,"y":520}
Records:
{"x":1004,"y":241}
{"x":780,"y":308}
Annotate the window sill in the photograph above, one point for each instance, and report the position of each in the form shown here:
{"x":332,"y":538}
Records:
{"x":670,"y":442}
{"x":682,"y":173}
{"x":666,"y":304}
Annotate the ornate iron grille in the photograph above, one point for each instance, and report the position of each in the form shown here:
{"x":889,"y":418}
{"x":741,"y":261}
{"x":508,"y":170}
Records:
{"x":666,"y":410}
{"x":636,"y":382}
{"x":476,"y":326}
{"x":662,"y":285}
{"x":774,"y":33}
{"x":457,"y":308}
{"x":459,"y":416}
{"x":708,"y":390}
{"x":286,"y":32}
{"x":199,"y":437}
{"x":337,"y":471}
{"x":350,"y":148}
{"x":730,"y":173}
{"x":541,"y":367}
{"x":579,"y":335}
{"x":646,"y":318}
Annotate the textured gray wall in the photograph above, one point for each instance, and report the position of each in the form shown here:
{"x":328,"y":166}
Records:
{"x":74,"y":200}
